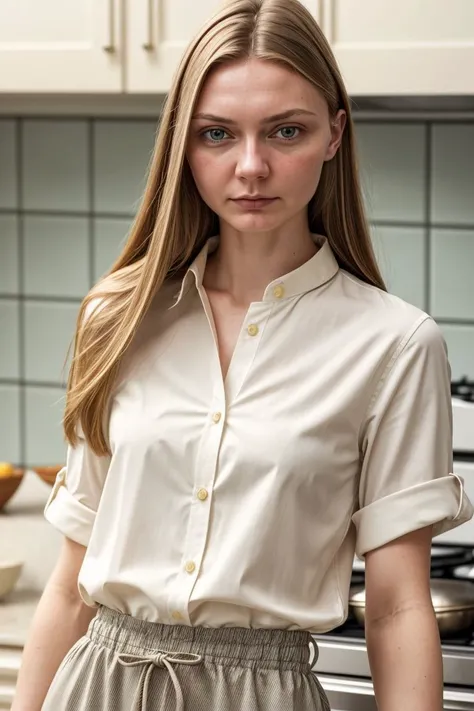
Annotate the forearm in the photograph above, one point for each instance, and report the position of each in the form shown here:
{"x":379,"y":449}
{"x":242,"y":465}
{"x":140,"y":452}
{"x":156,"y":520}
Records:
{"x":405,"y":660}
{"x":60,"y":620}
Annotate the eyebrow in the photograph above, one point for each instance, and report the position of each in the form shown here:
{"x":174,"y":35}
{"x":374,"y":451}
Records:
{"x":269,"y":119}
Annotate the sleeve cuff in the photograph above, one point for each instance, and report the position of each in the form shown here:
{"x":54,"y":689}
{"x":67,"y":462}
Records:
{"x":440,"y":503}
{"x":67,"y":514}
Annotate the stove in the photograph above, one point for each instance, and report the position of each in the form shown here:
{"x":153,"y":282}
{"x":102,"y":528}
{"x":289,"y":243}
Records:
{"x":462,"y":398}
{"x":342,"y":665}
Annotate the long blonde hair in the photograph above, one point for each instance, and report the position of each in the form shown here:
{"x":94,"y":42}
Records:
{"x":173,"y":221}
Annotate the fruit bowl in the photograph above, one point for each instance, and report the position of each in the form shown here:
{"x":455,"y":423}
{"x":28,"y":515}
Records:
{"x":10,"y":571}
{"x":9,"y":483}
{"x":48,"y":474}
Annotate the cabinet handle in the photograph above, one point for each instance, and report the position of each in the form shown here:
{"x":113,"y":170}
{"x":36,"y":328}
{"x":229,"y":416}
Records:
{"x":148,"y":44}
{"x":110,"y":46}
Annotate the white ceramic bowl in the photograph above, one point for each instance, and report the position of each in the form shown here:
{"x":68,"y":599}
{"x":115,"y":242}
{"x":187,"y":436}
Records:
{"x":10,"y":571}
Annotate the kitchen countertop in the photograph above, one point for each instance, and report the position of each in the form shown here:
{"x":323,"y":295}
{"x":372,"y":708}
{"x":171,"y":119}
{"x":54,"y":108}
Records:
{"x":26,"y":535}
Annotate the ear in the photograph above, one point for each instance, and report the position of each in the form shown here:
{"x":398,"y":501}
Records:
{"x":337,"y":129}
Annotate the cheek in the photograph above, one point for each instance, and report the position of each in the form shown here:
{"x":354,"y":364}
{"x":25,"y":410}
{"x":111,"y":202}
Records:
{"x":301,"y":174}
{"x":206,"y":171}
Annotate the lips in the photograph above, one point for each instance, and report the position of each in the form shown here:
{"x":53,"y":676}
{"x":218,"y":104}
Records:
{"x":254,"y":203}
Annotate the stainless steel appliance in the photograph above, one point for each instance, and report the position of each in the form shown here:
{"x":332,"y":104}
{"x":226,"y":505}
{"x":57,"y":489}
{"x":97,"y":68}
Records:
{"x":342,"y":665}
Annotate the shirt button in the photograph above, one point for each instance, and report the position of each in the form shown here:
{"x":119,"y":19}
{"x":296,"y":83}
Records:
{"x":279,"y":291}
{"x":216,"y":417}
{"x":252,"y":329}
{"x":202,"y":494}
{"x":176,"y":615}
{"x":190,"y":567}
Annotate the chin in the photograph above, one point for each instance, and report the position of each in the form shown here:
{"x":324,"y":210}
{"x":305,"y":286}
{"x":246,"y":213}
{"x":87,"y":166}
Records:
{"x":255,"y":223}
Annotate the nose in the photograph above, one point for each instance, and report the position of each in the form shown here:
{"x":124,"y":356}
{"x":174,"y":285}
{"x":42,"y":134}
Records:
{"x":252,"y":163}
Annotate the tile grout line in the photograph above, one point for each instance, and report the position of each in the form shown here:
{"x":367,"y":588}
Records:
{"x":427,"y":208}
{"x":71,"y":213}
{"x":21,"y":289}
{"x":91,"y":192}
{"x":454,"y":321}
{"x":33,"y":383}
{"x":54,"y":212}
{"x":41,"y":298}
{"x":425,"y":223}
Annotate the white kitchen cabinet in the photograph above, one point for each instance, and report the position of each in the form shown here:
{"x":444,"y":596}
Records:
{"x":403,"y":47}
{"x":158,"y":32}
{"x":384,"y":47}
{"x":50,"y":46}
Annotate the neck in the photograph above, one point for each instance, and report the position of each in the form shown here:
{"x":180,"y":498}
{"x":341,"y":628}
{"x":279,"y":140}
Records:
{"x":244,"y":264}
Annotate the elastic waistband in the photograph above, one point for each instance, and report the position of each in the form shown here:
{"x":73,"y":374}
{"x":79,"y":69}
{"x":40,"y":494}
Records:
{"x":234,"y":646}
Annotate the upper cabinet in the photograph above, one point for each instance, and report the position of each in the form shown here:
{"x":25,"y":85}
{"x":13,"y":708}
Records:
{"x":417,"y":47}
{"x":60,"y":46}
{"x":384,"y":47}
{"x":158,"y":33}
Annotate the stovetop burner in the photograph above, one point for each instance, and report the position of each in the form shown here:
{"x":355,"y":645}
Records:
{"x":463,"y":389}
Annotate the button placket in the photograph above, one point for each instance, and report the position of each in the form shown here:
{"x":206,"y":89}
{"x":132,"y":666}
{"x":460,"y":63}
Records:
{"x":200,"y":508}
{"x":206,"y":463}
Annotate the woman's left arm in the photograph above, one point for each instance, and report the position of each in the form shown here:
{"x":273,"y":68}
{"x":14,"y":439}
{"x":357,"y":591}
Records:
{"x":401,"y":630}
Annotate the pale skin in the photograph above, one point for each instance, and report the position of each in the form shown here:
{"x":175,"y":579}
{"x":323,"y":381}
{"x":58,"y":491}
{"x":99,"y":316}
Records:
{"x":236,"y":148}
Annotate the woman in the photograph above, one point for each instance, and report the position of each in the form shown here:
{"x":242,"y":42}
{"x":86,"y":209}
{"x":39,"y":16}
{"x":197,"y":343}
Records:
{"x":246,"y":408}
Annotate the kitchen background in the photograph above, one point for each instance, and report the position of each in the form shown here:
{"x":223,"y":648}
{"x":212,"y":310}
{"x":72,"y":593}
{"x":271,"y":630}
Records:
{"x":69,"y":188}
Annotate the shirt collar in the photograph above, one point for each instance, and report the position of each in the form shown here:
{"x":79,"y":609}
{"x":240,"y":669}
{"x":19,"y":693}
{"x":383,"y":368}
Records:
{"x":311,"y":275}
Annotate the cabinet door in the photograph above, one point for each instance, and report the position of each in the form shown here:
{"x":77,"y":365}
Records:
{"x":60,"y":46}
{"x":403,"y":46}
{"x":158,"y":32}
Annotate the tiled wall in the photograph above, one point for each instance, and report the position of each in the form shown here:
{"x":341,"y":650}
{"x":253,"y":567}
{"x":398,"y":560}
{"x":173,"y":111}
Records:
{"x":68,"y":191}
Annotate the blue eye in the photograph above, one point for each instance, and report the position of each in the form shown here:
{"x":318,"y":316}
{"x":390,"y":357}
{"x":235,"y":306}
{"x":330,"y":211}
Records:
{"x":215,"y":135}
{"x":289,"y":132}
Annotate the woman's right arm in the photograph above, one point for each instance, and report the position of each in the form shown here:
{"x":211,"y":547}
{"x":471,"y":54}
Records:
{"x":61,"y":618}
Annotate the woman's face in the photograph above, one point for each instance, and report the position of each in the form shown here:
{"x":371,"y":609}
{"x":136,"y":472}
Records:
{"x":260,"y":129}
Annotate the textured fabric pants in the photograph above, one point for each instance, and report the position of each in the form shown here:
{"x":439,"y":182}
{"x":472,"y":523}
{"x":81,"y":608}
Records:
{"x":126,"y":664}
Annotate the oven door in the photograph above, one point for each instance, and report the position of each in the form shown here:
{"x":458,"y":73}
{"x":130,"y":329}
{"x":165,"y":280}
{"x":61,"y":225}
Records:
{"x":350,"y":694}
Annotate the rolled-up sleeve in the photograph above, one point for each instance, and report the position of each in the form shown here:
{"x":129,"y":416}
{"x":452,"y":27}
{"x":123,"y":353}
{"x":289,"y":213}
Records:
{"x":406,"y":480}
{"x":75,"y":497}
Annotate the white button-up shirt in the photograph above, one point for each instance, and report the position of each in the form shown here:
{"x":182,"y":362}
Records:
{"x":241,"y":502}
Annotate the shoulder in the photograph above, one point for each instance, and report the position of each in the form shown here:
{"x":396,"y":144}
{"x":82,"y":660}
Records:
{"x":387,"y":333}
{"x":105,"y":299}
{"x":388,"y":315}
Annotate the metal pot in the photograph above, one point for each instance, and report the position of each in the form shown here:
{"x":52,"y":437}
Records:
{"x":453,"y":603}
